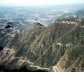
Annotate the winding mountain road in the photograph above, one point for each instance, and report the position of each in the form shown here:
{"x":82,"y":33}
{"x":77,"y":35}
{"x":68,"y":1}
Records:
{"x":55,"y":69}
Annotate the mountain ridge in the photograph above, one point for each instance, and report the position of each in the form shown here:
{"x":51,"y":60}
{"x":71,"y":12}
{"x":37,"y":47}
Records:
{"x":44,"y":46}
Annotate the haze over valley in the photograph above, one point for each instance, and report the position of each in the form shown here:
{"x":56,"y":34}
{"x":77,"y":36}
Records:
{"x":44,"y":15}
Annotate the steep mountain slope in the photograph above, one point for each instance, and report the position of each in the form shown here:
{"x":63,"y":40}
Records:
{"x":73,"y":58}
{"x":40,"y":47}
{"x":7,"y":34}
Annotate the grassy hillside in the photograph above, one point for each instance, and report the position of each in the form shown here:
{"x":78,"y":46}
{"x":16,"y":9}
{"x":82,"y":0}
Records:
{"x":47,"y":46}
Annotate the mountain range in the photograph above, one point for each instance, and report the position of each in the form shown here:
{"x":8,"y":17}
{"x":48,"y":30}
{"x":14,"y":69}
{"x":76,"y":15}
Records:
{"x":58,"y":47}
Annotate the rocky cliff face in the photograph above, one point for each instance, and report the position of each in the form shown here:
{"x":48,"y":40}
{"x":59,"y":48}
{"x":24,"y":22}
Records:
{"x":59,"y":45}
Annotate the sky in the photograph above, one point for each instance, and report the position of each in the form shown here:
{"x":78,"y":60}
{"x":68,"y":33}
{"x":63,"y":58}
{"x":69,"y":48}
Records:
{"x":38,"y":2}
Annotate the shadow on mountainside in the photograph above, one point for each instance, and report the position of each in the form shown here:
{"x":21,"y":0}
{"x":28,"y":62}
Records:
{"x":23,"y":69}
{"x":1,"y":48}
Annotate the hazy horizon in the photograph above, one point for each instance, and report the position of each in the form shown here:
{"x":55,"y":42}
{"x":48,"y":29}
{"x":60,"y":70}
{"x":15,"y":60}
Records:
{"x":38,"y":2}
